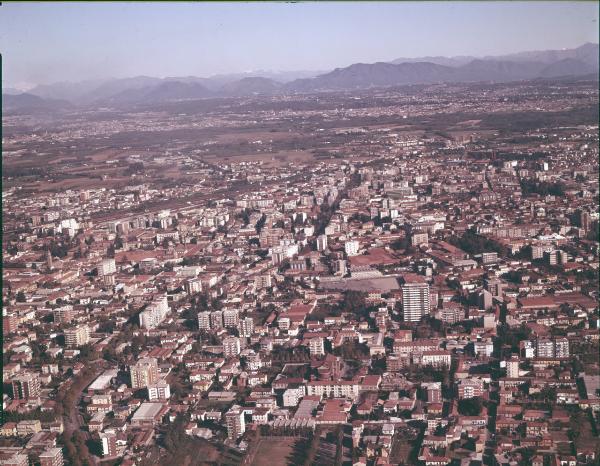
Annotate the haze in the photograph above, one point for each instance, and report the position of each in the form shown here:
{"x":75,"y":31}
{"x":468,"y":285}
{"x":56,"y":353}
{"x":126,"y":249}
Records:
{"x":45,"y":43}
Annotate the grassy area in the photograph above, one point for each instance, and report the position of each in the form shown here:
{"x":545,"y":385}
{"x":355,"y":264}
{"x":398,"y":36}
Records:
{"x":272,"y":451}
{"x":401,"y":448}
{"x":584,"y":437}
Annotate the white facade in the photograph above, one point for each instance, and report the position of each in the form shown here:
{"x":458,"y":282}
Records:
{"x":159,"y":391}
{"x":231,"y":347}
{"x":352,"y":247}
{"x":316,"y":346}
{"x":415,"y":299}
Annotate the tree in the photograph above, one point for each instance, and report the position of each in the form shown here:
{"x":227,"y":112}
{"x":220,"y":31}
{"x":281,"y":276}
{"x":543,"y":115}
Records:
{"x":21,"y":297}
{"x":470,"y":406}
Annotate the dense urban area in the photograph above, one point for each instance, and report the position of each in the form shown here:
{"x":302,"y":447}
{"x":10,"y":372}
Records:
{"x":401,"y":275}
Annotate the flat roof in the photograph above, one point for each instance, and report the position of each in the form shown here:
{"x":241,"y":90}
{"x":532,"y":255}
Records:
{"x":147,"y":411}
{"x":103,"y":380}
{"x":381,"y":284}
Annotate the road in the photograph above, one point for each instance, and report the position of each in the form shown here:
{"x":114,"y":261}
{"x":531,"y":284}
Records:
{"x":72,"y":418}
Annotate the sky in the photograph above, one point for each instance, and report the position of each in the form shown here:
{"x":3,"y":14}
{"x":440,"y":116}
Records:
{"x":43,"y":43}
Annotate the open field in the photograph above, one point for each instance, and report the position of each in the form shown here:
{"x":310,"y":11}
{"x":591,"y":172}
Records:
{"x":273,"y":451}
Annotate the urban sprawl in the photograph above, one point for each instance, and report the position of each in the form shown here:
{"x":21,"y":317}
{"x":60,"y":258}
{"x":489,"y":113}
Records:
{"x":392,"y":276}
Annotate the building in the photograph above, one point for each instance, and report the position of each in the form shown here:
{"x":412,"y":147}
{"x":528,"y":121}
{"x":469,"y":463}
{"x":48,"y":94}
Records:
{"x":52,"y":457}
{"x":551,"y":257}
{"x":144,"y":373}
{"x":216,"y":320}
{"x":148,"y":414}
{"x":381,"y":318}
{"x":109,"y":444}
{"x":49,"y":264}
{"x":10,"y":323}
{"x":451,"y":312}
{"x":341,"y":267}
{"x":321,"y":243}
{"x":489,"y":258}
{"x":231,"y":347}
{"x":28,"y":427}
{"x":17,"y":459}
{"x":419,"y":238}
{"x":159,"y":391}
{"x":316,"y":346}
{"x":433,"y":358}
{"x":434,"y":391}
{"x":415,"y":299}
{"x":204,"y":320}
{"x":193,"y":285}
{"x":512,"y":368}
{"x":544,"y":348}
{"x":26,"y":386}
{"x":77,"y":336}
{"x":352,"y":247}
{"x":538,"y":250}
{"x":154,"y":314}
{"x":246,"y":327}
{"x":108,"y":266}
{"x":231,"y":318}
{"x":335,"y":388}
{"x":64,"y":314}
{"x":561,"y":348}
{"x":495,"y":286}
{"x":236,"y":425}
{"x":470,"y":388}
{"x":583,"y":219}
{"x":484,"y":348}
{"x":486,"y":300}
{"x":292,"y":396}
{"x":262,"y":281}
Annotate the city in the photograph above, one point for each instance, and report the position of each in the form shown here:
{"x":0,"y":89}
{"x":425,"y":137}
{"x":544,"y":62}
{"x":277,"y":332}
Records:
{"x":389,"y":275}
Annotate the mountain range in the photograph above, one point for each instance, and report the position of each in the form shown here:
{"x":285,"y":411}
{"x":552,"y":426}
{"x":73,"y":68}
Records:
{"x":577,"y":62}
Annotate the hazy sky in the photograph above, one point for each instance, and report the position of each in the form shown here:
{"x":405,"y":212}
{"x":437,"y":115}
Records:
{"x":44,"y":43}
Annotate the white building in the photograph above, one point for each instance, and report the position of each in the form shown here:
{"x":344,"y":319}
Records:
{"x":352,"y":247}
{"x":107,"y":266}
{"x":231,"y":318}
{"x":512,"y":368}
{"x":236,"y":425}
{"x":337,"y":389}
{"x":159,"y":391}
{"x":316,"y":346}
{"x":415,"y":299}
{"x":204,"y":320}
{"x":322,"y":243}
{"x":77,"y":336}
{"x":292,"y":396}
{"x":246,"y":327}
{"x":231,"y":346}
{"x":155,"y":313}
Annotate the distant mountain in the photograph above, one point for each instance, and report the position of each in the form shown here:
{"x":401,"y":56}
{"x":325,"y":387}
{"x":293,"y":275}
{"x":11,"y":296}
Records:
{"x":71,"y":91}
{"x":113,"y":87}
{"x":567,"y":67}
{"x":248,"y":86}
{"x":279,"y":76}
{"x":491,"y":70}
{"x":29,"y":103}
{"x":581,"y":61}
{"x":161,"y":91}
{"x":363,"y":75}
{"x":557,"y":63}
{"x":446,"y":61}
{"x":11,"y":91}
{"x":587,"y":53}
{"x":130,"y":90}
